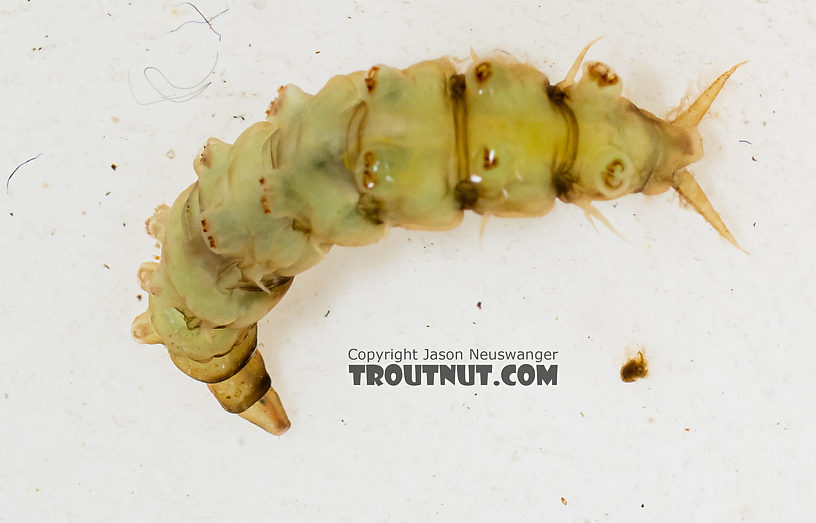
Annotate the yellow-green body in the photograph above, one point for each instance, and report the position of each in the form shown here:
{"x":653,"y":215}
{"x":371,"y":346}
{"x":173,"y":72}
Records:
{"x":412,"y":148}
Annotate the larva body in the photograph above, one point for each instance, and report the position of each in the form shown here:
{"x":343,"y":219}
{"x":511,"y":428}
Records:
{"x":412,"y":148}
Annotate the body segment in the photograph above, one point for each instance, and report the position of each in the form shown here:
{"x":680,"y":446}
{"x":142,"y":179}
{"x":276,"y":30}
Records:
{"x":413,"y":148}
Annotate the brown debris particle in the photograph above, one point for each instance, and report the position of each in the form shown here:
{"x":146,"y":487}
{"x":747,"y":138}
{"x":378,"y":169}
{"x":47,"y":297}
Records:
{"x":564,"y":501}
{"x":483,"y":72}
{"x":479,"y":305}
{"x":265,"y":204}
{"x":113,"y":166}
{"x":204,"y":226}
{"x":212,"y":242}
{"x":635,"y":368}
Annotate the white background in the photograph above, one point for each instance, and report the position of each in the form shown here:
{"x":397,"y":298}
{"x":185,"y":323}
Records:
{"x":94,"y":427}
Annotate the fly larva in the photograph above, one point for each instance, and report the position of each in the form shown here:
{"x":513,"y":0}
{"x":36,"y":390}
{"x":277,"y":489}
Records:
{"x":412,"y":148}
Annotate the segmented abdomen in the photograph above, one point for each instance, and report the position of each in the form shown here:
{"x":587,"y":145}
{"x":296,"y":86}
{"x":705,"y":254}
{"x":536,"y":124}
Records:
{"x":410,"y":148}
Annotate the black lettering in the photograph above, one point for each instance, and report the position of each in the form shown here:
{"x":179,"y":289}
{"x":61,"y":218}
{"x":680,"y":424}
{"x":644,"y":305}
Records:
{"x":547,"y":376}
{"x":393,"y":374}
{"x":357,"y":373}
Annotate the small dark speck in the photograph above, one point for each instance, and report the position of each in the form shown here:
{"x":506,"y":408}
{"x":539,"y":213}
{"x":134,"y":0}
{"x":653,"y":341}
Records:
{"x":428,"y":326}
{"x":746,"y":141}
{"x":317,"y":52}
{"x":107,"y":193}
{"x":241,"y":116}
{"x":754,"y":158}
{"x":754,"y":222}
{"x":327,"y":313}
{"x":12,"y":214}
{"x":642,"y":505}
{"x":113,"y":166}
{"x":139,"y":297}
{"x":106,"y":265}
{"x":124,"y":224}
{"x":479,"y":305}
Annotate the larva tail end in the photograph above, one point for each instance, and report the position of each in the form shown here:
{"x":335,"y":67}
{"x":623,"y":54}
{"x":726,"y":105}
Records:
{"x":249,"y":393}
{"x":268,"y":413}
{"x":687,"y":187}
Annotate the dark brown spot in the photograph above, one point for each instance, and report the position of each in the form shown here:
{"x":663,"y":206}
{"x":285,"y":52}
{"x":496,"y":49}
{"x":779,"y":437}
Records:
{"x":489,"y":158}
{"x":265,"y":204}
{"x":635,"y":368}
{"x":261,"y":180}
{"x":483,"y":72}
{"x":204,"y":226}
{"x":457,"y":85}
{"x":369,"y":208}
{"x":562,"y":183}
{"x":610,"y":175}
{"x":301,"y":227}
{"x":205,"y":159}
{"x":113,"y":166}
{"x":371,"y":79}
{"x":466,"y":193}
{"x":602,"y":74}
{"x":369,"y":179}
{"x":212,"y":242}
{"x":555,"y":93}
{"x":369,"y":176}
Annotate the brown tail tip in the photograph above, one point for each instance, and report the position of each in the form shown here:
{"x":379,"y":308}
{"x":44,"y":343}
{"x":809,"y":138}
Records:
{"x":268,"y":413}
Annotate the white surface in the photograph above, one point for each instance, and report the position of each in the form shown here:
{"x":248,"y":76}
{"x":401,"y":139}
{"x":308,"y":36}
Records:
{"x":96,"y":427}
